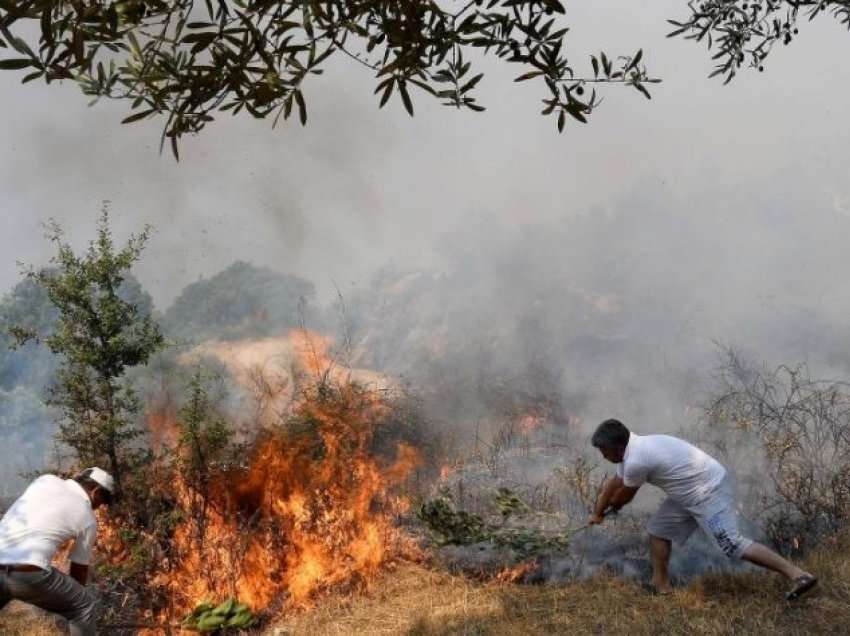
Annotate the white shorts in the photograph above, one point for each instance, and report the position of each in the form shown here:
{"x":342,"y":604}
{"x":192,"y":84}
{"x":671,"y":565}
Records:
{"x":715,"y":515}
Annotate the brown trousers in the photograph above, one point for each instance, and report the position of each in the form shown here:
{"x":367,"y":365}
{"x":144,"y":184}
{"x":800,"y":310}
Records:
{"x":55,"y":592}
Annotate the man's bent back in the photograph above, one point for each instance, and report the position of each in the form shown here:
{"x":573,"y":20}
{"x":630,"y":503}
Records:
{"x":51,"y":512}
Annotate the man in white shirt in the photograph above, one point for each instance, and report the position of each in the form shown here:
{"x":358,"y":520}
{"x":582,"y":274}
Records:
{"x":699,"y":491}
{"x":51,"y":511}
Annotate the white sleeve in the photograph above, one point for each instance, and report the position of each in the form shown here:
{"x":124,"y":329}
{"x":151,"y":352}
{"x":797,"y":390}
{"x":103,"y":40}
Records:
{"x":83,"y":545}
{"x":634,"y":475}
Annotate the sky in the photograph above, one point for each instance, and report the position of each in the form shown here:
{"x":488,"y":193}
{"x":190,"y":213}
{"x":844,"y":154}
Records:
{"x":359,"y":187}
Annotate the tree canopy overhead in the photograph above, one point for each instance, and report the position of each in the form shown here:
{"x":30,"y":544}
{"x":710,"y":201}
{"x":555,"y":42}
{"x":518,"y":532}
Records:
{"x":186,"y":60}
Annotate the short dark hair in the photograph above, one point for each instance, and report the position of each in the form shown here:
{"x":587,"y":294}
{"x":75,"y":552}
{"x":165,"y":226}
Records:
{"x":89,"y":484}
{"x":610,"y":434}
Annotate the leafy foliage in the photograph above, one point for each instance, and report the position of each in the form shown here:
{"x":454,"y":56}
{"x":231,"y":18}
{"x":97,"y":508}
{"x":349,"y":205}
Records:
{"x":25,"y":370}
{"x":187,"y":61}
{"x":228,"y":615}
{"x":449,"y":525}
{"x":242,"y":300}
{"x":98,"y":335}
{"x":204,"y":445}
{"x":204,"y":434}
{"x":745,"y":31}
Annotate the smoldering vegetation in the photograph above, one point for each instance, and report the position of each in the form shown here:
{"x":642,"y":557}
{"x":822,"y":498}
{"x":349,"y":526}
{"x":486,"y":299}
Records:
{"x":667,"y":320}
{"x":525,"y":337}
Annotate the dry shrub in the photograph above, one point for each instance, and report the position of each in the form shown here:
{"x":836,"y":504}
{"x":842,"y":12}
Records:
{"x":788,"y":436}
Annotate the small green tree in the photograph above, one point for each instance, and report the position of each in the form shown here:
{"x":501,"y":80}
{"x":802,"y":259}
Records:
{"x":204,"y":434}
{"x":204,"y":440}
{"x":99,"y":334}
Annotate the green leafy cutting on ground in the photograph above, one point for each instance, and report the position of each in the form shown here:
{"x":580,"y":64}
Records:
{"x":448,"y":525}
{"x":230,"y":614}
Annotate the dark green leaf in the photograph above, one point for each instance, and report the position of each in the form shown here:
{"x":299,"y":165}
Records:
{"x":47,"y":28}
{"x":15,"y":64}
{"x":528,"y":76}
{"x":471,"y":83}
{"x":634,"y":61}
{"x":387,"y":92}
{"x":575,"y":109}
{"x":302,"y":107}
{"x":137,"y":116}
{"x":405,"y":97}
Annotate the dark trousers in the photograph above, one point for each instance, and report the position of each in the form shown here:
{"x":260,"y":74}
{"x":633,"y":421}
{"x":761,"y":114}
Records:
{"x":55,"y":592}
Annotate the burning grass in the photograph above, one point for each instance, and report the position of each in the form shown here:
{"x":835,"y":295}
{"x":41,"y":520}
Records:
{"x":421,"y":602}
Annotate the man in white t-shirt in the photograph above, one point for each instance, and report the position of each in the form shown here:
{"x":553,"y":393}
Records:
{"x":52,"y":511}
{"x":699,"y":491}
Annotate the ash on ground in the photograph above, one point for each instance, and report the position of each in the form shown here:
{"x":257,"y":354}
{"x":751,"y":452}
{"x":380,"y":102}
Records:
{"x":555,"y":490}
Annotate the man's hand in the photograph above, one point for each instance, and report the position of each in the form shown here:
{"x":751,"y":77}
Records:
{"x":603,"y":502}
{"x":595,"y":519}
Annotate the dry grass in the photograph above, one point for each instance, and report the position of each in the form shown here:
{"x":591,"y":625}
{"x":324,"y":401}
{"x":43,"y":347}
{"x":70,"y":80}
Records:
{"x":416,"y":601}
{"x":19,"y":619}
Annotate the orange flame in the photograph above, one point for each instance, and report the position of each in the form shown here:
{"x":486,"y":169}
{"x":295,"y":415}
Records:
{"x":309,"y":508}
{"x":529,"y":423}
{"x":515,"y":573}
{"x":161,"y":428}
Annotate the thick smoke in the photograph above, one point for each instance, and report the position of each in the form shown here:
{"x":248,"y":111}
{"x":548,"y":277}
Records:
{"x":621,"y":312}
{"x":556,"y":325}
{"x":618,"y":311}
{"x":721,"y":217}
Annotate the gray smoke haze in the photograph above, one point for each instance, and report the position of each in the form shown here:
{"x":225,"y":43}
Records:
{"x":621,"y":309}
{"x":492,"y":262}
{"x":369,"y":186}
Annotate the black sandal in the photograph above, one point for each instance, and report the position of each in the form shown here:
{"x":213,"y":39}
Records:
{"x":802,"y":584}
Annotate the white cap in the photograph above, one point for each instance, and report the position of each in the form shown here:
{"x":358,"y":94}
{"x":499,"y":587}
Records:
{"x":100,"y":476}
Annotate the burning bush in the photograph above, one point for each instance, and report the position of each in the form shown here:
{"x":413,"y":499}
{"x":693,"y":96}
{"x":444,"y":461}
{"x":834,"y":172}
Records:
{"x":275,"y":517}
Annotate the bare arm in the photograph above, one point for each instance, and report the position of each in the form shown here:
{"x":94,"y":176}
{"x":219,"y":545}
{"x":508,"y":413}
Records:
{"x":614,"y":495}
{"x":604,"y":500}
{"x":79,"y":572}
{"x":82,"y":553}
{"x":623,"y":496}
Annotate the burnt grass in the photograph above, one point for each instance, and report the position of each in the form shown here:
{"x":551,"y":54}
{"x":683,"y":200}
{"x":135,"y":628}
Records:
{"x":422,"y":601}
